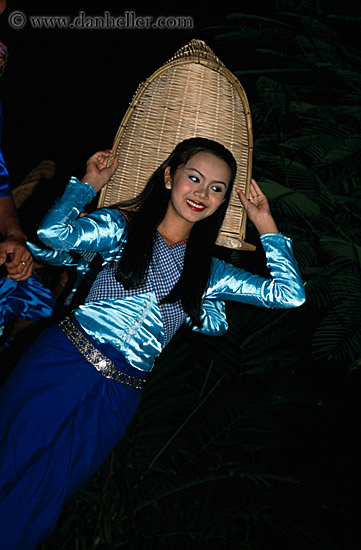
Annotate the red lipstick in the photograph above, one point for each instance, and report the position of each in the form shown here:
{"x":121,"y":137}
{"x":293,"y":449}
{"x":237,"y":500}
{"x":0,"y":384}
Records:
{"x":195,"y":205}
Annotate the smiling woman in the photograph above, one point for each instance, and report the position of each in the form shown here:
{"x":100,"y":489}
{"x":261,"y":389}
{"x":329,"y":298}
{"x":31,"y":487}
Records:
{"x":199,"y":186}
{"x":70,"y":398}
{"x":163,"y":207}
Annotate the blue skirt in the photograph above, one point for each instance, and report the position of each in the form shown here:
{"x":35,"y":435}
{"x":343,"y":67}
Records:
{"x":59,"y":420}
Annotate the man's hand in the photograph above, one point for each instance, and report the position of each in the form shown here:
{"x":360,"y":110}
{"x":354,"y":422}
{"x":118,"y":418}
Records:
{"x":16,"y":257}
{"x":13,"y":251}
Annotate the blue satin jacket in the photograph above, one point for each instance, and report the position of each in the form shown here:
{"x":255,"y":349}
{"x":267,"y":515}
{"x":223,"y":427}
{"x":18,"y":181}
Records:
{"x":133,"y":325}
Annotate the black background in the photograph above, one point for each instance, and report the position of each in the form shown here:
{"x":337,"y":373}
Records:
{"x":64,"y":92}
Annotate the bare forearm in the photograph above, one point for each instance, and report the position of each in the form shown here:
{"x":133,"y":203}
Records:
{"x":265,"y":224}
{"x":13,"y":251}
{"x":9,"y":220}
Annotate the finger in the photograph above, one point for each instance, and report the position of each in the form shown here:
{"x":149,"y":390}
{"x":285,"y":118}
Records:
{"x":256,"y":188}
{"x":98,"y":157}
{"x":103,"y":154}
{"x":20,"y":258}
{"x":246,"y":203}
{"x":110,"y":170}
{"x":21,"y":277}
{"x":114,"y":165}
{"x":20,"y":268}
{"x":21,"y":272}
{"x":99,"y":154}
{"x":252,"y":194}
{"x":108,"y":155}
{"x":14,"y":256}
{"x":18,"y":252}
{"x":102,"y":160}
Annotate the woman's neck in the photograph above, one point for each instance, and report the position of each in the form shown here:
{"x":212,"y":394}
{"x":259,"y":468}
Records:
{"x":173,"y":234}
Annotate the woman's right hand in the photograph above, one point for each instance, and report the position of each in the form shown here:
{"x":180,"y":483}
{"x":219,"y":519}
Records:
{"x":97,"y":172}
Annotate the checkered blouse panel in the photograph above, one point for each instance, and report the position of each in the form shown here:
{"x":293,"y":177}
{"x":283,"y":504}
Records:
{"x":164,"y":271}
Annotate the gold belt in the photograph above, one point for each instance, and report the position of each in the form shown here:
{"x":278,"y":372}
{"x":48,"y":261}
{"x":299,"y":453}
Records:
{"x":104,"y":365}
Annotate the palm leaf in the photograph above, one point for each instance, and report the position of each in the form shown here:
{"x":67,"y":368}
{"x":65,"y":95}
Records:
{"x":338,"y":336}
{"x":341,"y":250}
{"x":293,"y":202}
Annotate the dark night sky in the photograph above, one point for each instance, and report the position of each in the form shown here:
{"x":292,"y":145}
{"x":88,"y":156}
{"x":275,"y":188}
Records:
{"x":64,"y":92}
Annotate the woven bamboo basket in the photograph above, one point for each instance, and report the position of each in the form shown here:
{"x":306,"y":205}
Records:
{"x":193,"y":94}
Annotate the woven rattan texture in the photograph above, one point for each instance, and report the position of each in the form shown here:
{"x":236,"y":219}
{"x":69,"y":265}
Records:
{"x":191,"y":95}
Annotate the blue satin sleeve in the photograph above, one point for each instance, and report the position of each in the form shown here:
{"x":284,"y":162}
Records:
{"x":63,"y":229}
{"x":51,"y":256}
{"x":284,"y":288}
{"x":213,"y":318}
{"x":63,"y":258}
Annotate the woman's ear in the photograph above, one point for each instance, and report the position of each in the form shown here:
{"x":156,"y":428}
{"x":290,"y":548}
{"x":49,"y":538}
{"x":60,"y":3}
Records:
{"x":167,"y":178}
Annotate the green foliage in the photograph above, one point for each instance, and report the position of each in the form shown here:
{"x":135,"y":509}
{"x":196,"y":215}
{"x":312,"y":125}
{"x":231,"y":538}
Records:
{"x":305,"y":97}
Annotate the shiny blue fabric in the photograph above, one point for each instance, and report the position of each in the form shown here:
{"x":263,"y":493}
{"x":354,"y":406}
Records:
{"x":63,"y":258}
{"x":24,"y":300}
{"x":59,"y":417}
{"x":165,"y":268}
{"x":5,"y":190}
{"x":134,"y":325}
{"x":59,"y":420}
{"x":283,"y":290}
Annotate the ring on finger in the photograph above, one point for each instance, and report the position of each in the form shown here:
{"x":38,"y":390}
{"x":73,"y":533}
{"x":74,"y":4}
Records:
{"x":23,"y":263}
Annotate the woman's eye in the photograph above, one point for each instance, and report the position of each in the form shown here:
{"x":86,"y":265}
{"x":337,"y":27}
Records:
{"x":217,"y":188}
{"x":195,"y":179}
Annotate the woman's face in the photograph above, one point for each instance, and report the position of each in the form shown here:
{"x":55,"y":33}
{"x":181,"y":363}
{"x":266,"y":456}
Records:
{"x":198,"y":187}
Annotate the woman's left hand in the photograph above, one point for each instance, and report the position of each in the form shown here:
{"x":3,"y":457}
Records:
{"x":257,"y":209}
{"x":98,"y":173}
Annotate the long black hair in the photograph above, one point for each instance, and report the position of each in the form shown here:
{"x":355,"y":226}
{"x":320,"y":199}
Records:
{"x":146,"y":212}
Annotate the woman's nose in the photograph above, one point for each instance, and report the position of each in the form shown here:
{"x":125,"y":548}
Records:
{"x":201,"y":191}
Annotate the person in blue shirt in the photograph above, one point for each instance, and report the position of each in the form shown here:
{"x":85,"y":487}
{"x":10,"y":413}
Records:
{"x":22,"y":294}
{"x":13,"y":251}
{"x":70,"y":398}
